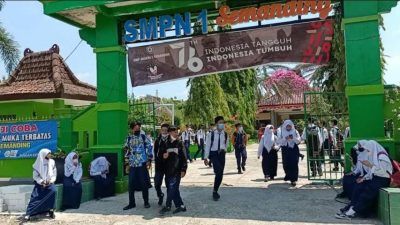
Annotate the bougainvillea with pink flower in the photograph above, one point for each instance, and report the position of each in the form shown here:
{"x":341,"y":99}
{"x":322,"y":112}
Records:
{"x":285,"y":83}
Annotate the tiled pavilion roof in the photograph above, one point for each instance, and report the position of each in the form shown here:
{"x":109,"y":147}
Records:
{"x":44,"y":75}
{"x":296,"y":101}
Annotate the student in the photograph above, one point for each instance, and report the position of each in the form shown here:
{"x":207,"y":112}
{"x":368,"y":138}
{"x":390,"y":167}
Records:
{"x":160,"y":147}
{"x":175,"y":168}
{"x":337,"y":143}
{"x":200,"y":137}
{"x":260,"y":133}
{"x":72,"y":186}
{"x":325,"y":137}
{"x":211,"y":128}
{"x":314,"y":140}
{"x":216,"y":144}
{"x":104,"y":184}
{"x":139,"y":152}
{"x":289,"y":139}
{"x":239,"y":141}
{"x":359,"y":170}
{"x":365,"y":194}
{"x":268,"y":149}
{"x":186,"y":139}
{"x":43,"y":197}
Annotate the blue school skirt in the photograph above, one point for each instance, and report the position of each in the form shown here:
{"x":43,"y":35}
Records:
{"x":72,"y":193}
{"x":43,"y":199}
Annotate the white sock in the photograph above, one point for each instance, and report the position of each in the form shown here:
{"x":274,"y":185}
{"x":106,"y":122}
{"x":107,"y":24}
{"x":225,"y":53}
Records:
{"x":350,"y":212}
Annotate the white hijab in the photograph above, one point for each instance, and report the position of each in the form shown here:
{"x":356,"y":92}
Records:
{"x":269,"y":138}
{"x":362,"y":156}
{"x":375,"y":148}
{"x":285,"y":133}
{"x":70,"y":168}
{"x":44,"y":166}
{"x":100,"y":164}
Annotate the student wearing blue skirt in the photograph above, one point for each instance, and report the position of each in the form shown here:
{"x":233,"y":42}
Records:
{"x":72,"y":186}
{"x":43,"y":197}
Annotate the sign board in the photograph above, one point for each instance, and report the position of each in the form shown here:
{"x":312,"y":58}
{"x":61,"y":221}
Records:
{"x":156,"y":27}
{"x":26,"y":139}
{"x":230,"y":51}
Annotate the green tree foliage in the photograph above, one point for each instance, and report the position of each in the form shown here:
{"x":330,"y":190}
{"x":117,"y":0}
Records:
{"x":206,"y":100}
{"x":9,"y":53}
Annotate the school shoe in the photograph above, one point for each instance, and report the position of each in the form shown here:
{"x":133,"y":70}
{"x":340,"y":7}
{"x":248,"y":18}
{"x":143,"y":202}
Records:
{"x":146,"y":205}
{"x":161,"y":199}
{"x":265,"y":179}
{"x":243,"y":168}
{"x":52,"y":215}
{"x":130,"y":206}
{"x":302,"y":157}
{"x":216,"y":196}
{"x":350,"y":214}
{"x":180,"y":209}
{"x":164,"y":210}
{"x":344,"y":209}
{"x":293,"y":184}
{"x":240,"y":172}
{"x":27,"y":218}
{"x":341,"y":195}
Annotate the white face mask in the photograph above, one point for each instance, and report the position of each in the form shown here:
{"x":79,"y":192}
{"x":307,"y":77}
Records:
{"x":173,"y":139}
{"x":164,"y":135}
{"x":75,"y":161}
{"x":240,"y":129}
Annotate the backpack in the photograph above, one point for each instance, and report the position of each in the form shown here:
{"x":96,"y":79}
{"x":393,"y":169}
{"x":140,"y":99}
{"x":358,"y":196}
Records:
{"x":212,"y":139}
{"x":395,"y":176}
{"x":313,"y":141}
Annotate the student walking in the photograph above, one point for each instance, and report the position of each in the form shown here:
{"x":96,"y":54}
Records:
{"x":216,"y":144}
{"x":268,"y":149}
{"x":160,"y":147}
{"x":200,"y":136}
{"x":239,"y":141}
{"x":186,"y":139}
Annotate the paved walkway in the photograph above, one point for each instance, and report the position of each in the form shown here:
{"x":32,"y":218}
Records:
{"x":245,"y":199}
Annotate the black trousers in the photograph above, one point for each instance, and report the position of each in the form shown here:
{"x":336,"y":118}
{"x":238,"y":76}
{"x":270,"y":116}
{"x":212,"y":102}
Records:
{"x":218,"y":161}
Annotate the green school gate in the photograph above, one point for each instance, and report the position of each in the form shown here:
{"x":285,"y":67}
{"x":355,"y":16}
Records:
{"x":100,"y":24}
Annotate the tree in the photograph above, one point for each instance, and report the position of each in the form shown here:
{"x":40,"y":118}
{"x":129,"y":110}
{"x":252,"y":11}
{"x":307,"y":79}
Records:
{"x":8,"y":47}
{"x":206,"y":100}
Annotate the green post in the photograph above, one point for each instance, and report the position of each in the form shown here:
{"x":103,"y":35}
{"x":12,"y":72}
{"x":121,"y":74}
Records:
{"x":64,"y":117}
{"x":112,"y":111}
{"x":365,"y":89}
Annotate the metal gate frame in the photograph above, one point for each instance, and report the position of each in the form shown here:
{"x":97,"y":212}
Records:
{"x":330,"y":159}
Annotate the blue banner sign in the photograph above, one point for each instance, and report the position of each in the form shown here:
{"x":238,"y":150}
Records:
{"x":26,"y":139}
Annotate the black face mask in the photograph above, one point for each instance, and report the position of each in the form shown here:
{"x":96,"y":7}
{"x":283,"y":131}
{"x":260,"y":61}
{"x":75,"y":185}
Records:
{"x":361,"y":149}
{"x":46,"y":158}
{"x":136,"y":132}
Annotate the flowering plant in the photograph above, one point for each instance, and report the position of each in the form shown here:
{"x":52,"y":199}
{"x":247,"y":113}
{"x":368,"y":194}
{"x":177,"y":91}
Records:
{"x":284,"y":83}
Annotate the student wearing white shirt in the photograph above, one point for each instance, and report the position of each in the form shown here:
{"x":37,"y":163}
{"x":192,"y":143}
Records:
{"x":43,"y":197}
{"x":216,"y":146}
{"x":365,"y":194}
{"x":201,"y":136}
{"x":268,"y":149}
{"x":186,"y":139}
{"x":72,"y":186}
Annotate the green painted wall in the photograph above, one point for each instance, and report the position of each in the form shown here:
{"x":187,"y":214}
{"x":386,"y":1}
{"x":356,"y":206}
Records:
{"x":26,"y":109}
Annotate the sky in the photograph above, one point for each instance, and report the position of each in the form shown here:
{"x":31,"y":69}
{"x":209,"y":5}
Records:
{"x":25,"y":21}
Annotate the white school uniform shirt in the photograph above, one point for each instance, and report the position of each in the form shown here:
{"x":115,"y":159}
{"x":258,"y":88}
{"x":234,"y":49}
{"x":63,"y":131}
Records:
{"x":223,"y":144}
{"x":200,"y":135}
{"x":43,"y":169}
{"x":71,"y":169}
{"x":186,"y":136}
{"x":382,"y":166}
{"x":267,"y":141}
{"x":320,"y":137}
{"x":334,"y":131}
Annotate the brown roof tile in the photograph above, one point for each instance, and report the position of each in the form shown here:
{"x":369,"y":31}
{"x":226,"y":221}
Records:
{"x":45,"y":75}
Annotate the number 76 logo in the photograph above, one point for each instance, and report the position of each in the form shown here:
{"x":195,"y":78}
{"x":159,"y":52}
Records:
{"x":194,"y":63}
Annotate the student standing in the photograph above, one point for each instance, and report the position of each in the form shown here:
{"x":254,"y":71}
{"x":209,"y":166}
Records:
{"x":200,"y":136}
{"x":365,"y":194}
{"x":216,"y":144}
{"x":268,"y":149}
{"x":43,"y":197}
{"x":139,"y":152}
{"x":289,"y":140}
{"x":104,"y":184}
{"x":186,"y":138}
{"x":160,"y":147}
{"x":337,"y":144}
{"x":239,"y":141}
{"x":72,"y":186}
{"x":314,"y":140}
{"x":175,"y":168}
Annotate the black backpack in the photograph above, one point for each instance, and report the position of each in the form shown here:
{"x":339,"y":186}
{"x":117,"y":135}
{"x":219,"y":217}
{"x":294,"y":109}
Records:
{"x":313,"y":141}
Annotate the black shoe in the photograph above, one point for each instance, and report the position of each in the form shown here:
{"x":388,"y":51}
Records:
{"x":302,"y":157}
{"x":146,"y":205}
{"x":344,"y":209}
{"x":52,"y":215}
{"x":128,"y":207}
{"x":179,"y":209}
{"x":293,"y":184}
{"x":216,"y":196}
{"x":243,"y":168}
{"x":161,"y":199}
{"x":165,"y":210}
{"x":27,"y":218}
{"x":266,"y":179}
{"x":272,"y":178}
{"x":240,"y":172}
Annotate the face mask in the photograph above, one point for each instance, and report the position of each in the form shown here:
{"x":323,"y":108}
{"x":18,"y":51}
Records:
{"x":288,"y":129}
{"x":164,"y":135}
{"x":221,"y":126}
{"x":361,"y":149}
{"x":240,"y":129}
{"x":75,"y":161}
{"x":173,"y":139}
{"x":137,"y":132}
{"x":47,"y":158}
